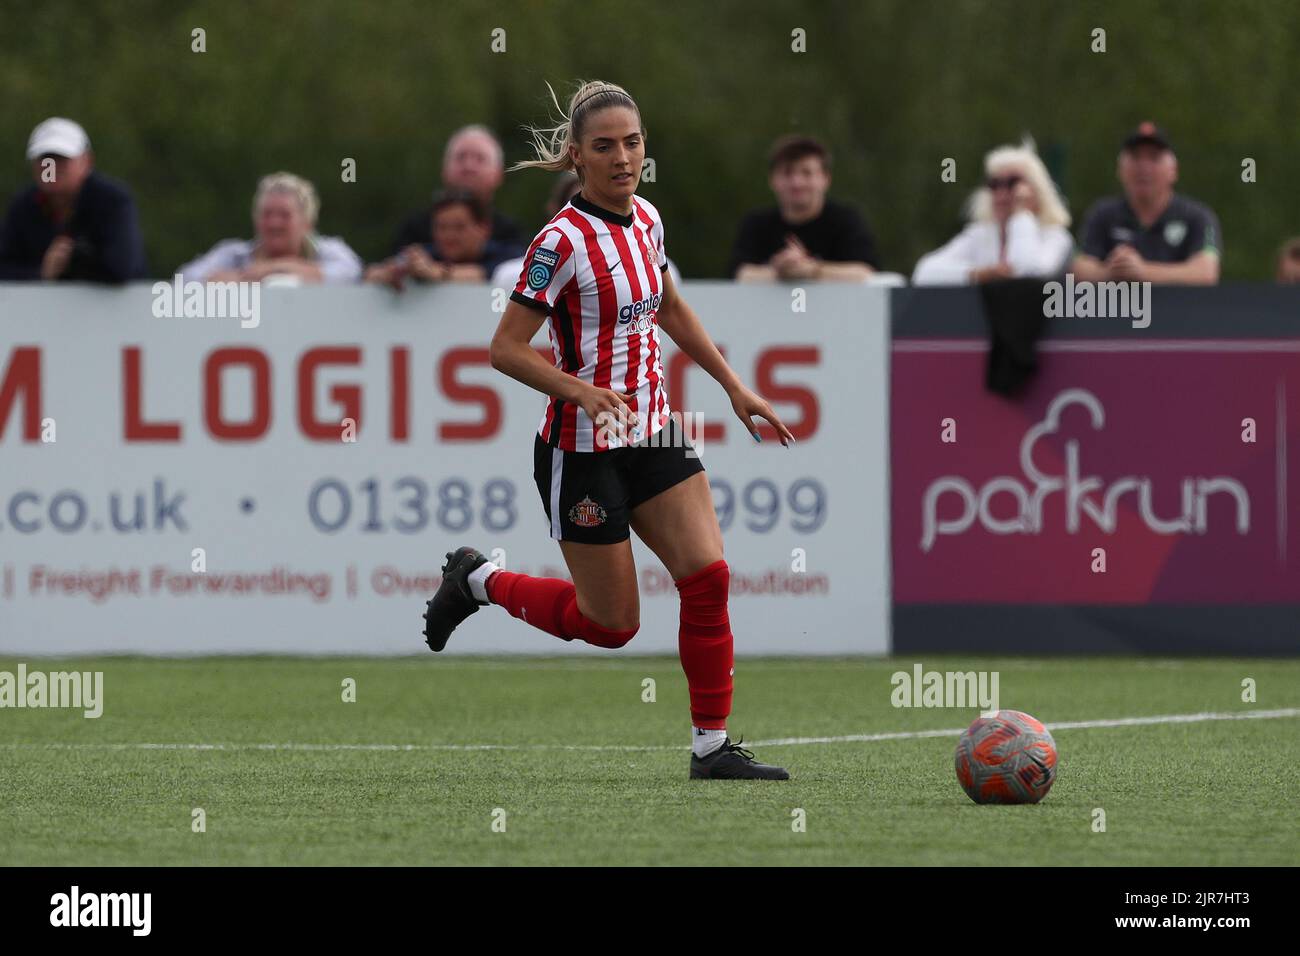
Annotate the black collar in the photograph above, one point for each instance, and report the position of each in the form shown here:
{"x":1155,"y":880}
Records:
{"x":600,"y":212}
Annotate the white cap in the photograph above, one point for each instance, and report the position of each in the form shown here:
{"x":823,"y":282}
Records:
{"x":57,"y":136}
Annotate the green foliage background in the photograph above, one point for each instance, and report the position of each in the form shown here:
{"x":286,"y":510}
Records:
{"x":894,"y":86}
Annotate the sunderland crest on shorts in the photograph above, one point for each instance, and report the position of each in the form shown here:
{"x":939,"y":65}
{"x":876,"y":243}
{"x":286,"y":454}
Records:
{"x":587,"y":514}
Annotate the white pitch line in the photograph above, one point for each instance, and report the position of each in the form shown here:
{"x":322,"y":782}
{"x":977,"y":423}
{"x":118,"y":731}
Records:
{"x":309,"y":747}
{"x":635,"y":748}
{"x":1063,"y":725}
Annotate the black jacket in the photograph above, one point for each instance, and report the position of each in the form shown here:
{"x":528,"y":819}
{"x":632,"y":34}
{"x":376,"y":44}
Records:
{"x":104,"y":226}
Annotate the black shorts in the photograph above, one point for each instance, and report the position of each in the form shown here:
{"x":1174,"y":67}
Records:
{"x":589,"y":496}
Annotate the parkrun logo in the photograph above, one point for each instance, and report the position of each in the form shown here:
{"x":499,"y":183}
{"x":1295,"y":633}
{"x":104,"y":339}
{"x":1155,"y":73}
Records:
{"x":1076,"y":488}
{"x":643,"y":312}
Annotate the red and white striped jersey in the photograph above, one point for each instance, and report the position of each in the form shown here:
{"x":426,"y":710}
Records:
{"x":599,"y":276}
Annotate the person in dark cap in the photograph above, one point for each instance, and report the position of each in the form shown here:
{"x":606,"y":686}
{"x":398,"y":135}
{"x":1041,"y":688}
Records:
{"x":73,"y":222}
{"x":1151,"y":233}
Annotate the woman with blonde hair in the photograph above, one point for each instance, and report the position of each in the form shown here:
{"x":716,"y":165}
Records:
{"x":1018,"y":226}
{"x":608,"y":458}
{"x":285,"y":243}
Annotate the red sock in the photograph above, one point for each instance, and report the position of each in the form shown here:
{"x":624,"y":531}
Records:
{"x":705,"y":644}
{"x":552,"y":605}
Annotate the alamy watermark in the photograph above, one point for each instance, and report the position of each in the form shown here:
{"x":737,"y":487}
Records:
{"x":179,"y":299}
{"x":82,"y":690}
{"x":959,"y":689}
{"x":75,"y":908}
{"x":1098,"y":300}
{"x":613,"y":430}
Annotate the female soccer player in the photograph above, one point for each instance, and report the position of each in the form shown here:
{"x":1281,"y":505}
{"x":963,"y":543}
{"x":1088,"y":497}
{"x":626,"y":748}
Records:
{"x":608,"y":456}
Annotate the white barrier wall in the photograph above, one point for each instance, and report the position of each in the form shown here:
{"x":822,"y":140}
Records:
{"x":172,"y":435}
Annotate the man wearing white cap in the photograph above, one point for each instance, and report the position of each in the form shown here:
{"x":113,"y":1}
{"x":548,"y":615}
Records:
{"x":73,"y":223}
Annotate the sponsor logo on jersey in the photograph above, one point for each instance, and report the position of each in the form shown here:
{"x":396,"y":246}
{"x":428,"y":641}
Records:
{"x":587,"y":514}
{"x":541,"y":267}
{"x":647,"y":306}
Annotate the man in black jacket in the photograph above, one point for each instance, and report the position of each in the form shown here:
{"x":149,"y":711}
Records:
{"x":806,"y":235}
{"x":73,"y":223}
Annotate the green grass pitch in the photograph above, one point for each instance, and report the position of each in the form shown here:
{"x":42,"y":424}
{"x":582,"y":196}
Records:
{"x":85,"y":792}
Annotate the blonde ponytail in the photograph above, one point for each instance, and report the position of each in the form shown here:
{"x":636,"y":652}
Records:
{"x":551,"y":143}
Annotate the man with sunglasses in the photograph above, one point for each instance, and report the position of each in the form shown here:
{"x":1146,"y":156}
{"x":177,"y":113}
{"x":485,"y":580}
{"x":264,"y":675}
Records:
{"x":1151,"y":233}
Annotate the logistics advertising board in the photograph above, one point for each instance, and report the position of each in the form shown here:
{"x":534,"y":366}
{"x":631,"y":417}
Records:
{"x":194,"y":485}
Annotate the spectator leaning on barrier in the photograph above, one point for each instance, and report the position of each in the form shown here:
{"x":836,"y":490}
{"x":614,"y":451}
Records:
{"x":285,"y":208}
{"x":806,"y":236}
{"x":473,"y":162}
{"x":1288,"y":263}
{"x":1018,"y":226}
{"x":1151,"y":233}
{"x":462,"y":250}
{"x":74,"y":222}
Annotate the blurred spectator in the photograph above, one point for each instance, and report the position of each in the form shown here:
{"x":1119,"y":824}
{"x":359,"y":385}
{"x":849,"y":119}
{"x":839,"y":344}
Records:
{"x":1018,"y":226}
{"x":1151,"y":233}
{"x":806,"y":236}
{"x":74,"y":222}
{"x":475,"y":163}
{"x":506,"y":275}
{"x":285,"y":208}
{"x":1288,"y":263}
{"x":462,"y":250}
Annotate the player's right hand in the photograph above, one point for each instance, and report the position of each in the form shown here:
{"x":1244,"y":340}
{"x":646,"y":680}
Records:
{"x":609,"y":410}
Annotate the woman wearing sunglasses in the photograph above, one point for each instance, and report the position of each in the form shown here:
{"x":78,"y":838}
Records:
{"x":1018,"y":226}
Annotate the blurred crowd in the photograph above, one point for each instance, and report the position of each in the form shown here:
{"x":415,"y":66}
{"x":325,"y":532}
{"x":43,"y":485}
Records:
{"x":76,"y":223}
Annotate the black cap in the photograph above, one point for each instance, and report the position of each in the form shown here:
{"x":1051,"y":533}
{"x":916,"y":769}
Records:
{"x":1147,"y":132}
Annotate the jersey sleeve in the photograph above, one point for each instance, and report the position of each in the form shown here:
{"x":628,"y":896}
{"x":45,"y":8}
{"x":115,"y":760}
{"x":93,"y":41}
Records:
{"x":548,"y":266}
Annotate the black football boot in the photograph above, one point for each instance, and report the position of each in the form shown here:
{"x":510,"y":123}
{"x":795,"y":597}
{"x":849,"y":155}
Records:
{"x":733,"y":762}
{"x":453,"y":601}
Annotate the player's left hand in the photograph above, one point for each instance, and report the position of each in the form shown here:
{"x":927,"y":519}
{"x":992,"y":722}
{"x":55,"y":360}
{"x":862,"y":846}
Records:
{"x":746,"y":405}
